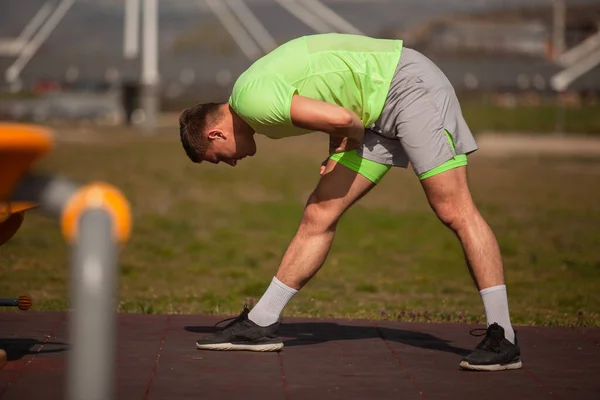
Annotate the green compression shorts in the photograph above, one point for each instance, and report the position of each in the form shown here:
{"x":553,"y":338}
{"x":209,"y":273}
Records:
{"x":375,"y":171}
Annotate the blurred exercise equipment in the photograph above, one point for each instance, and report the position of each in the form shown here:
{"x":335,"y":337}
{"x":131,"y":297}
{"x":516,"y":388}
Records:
{"x":95,"y":219}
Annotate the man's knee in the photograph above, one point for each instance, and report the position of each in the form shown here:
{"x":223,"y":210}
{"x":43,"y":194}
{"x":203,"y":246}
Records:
{"x":320,"y":215}
{"x":453,"y":214}
{"x":449,"y":196}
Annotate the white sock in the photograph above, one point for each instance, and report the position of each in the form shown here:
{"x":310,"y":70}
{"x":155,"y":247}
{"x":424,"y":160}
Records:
{"x":495,"y":301}
{"x":268,"y":309}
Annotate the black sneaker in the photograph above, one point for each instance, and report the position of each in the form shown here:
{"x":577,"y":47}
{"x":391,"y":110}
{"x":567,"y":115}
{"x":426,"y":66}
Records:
{"x":242,"y":334}
{"x":494,"y":352}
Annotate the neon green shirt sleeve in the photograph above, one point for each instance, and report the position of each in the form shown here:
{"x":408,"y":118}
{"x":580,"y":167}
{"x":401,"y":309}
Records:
{"x":264,"y":101}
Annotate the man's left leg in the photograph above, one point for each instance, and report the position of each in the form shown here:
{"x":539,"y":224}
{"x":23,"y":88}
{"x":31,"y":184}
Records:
{"x":449,"y":196}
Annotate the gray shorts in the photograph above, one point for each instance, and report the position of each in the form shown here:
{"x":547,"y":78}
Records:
{"x":421,"y":106}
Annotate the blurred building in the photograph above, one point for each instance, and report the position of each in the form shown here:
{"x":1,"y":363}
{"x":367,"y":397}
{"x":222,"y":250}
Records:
{"x":459,"y":37}
{"x":504,"y":51}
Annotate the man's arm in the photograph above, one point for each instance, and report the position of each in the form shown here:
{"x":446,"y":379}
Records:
{"x":320,"y":116}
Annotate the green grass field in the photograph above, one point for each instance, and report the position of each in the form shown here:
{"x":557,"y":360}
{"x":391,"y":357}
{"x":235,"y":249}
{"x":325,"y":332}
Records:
{"x":208,"y":238}
{"x":584,"y":119}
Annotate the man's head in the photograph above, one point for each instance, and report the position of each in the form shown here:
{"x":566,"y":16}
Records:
{"x":215,"y":133}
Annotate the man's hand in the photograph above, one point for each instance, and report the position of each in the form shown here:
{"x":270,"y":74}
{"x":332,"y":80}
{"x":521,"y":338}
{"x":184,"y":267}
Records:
{"x":345,"y":128}
{"x":323,"y":167}
{"x":339,"y":144}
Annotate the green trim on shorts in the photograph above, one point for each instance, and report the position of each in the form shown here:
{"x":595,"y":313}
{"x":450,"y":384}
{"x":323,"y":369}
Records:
{"x":371,"y":170}
{"x":375,"y":171}
{"x":458,"y":160}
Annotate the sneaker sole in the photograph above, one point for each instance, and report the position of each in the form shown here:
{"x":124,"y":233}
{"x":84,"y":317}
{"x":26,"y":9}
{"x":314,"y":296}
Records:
{"x":248,"y":347}
{"x":493,"y":367}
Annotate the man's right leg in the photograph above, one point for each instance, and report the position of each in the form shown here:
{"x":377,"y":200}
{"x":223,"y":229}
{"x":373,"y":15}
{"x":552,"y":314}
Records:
{"x":347,"y":178}
{"x":339,"y":188}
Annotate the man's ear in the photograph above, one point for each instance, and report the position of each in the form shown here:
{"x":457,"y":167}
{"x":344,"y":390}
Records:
{"x":215,"y":134}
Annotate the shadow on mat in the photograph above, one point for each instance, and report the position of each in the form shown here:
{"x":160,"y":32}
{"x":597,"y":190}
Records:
{"x":18,"y":348}
{"x":307,"y":333}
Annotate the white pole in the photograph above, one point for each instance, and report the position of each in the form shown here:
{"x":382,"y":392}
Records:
{"x":559,"y":28}
{"x":563,"y":79}
{"x":34,"y":24}
{"x":304,"y":15}
{"x":328,"y":15}
{"x":150,"y":56}
{"x":253,"y":25}
{"x":13,"y":72}
{"x":131,"y":29}
{"x":576,"y":53}
{"x":238,"y":33}
{"x":150,"y":65}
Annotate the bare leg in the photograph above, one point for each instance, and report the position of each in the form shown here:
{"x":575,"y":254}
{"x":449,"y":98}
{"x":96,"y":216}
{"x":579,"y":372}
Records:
{"x":337,"y":190}
{"x":449,"y":196}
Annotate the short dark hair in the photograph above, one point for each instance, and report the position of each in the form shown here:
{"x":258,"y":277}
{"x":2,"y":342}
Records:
{"x":193,"y":122}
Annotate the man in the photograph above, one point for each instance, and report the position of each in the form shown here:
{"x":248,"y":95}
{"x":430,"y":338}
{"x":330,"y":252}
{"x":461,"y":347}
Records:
{"x":383,"y":105}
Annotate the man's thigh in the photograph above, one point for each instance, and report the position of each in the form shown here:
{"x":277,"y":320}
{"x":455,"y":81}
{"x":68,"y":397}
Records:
{"x":449,"y":190}
{"x":346,"y":180}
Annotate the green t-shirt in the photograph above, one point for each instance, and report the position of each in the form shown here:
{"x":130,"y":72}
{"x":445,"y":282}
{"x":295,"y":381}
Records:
{"x":354,"y":72}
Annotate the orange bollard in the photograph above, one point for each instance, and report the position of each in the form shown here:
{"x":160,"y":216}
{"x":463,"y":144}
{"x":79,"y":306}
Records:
{"x":20,"y":146}
{"x":97,"y":195}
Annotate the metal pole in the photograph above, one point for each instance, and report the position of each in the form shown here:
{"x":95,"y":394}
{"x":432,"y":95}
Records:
{"x":328,"y":15}
{"x":233,"y":27}
{"x":564,"y":78}
{"x":150,"y":66}
{"x":34,"y":24}
{"x":92,"y":322}
{"x":27,"y":53}
{"x":304,"y":15}
{"x":52,"y":193}
{"x":253,"y":25}
{"x":131,"y":29}
{"x":560,"y":117}
{"x":576,"y":53}
{"x":559,"y":12}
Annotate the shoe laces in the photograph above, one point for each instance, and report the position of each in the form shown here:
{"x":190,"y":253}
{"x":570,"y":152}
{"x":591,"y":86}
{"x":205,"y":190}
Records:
{"x":480,"y":332}
{"x":234,"y":320}
{"x":492,"y":340}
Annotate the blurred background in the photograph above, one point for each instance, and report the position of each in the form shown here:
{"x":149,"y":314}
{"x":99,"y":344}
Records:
{"x":110,"y":77}
{"x":94,"y":59}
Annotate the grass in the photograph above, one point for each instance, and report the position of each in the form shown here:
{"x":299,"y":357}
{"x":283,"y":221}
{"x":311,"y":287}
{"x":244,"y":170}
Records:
{"x":536,"y":119}
{"x":208,"y":238}
{"x":482,"y":115}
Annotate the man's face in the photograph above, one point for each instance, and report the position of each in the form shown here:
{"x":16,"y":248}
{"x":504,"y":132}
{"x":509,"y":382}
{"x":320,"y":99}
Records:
{"x":228,"y":146}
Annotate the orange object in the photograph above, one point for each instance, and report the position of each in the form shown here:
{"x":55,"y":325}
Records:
{"x":97,"y":195}
{"x":24,"y":303}
{"x":10,"y":226}
{"x":6,"y":209}
{"x":20,"y":146}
